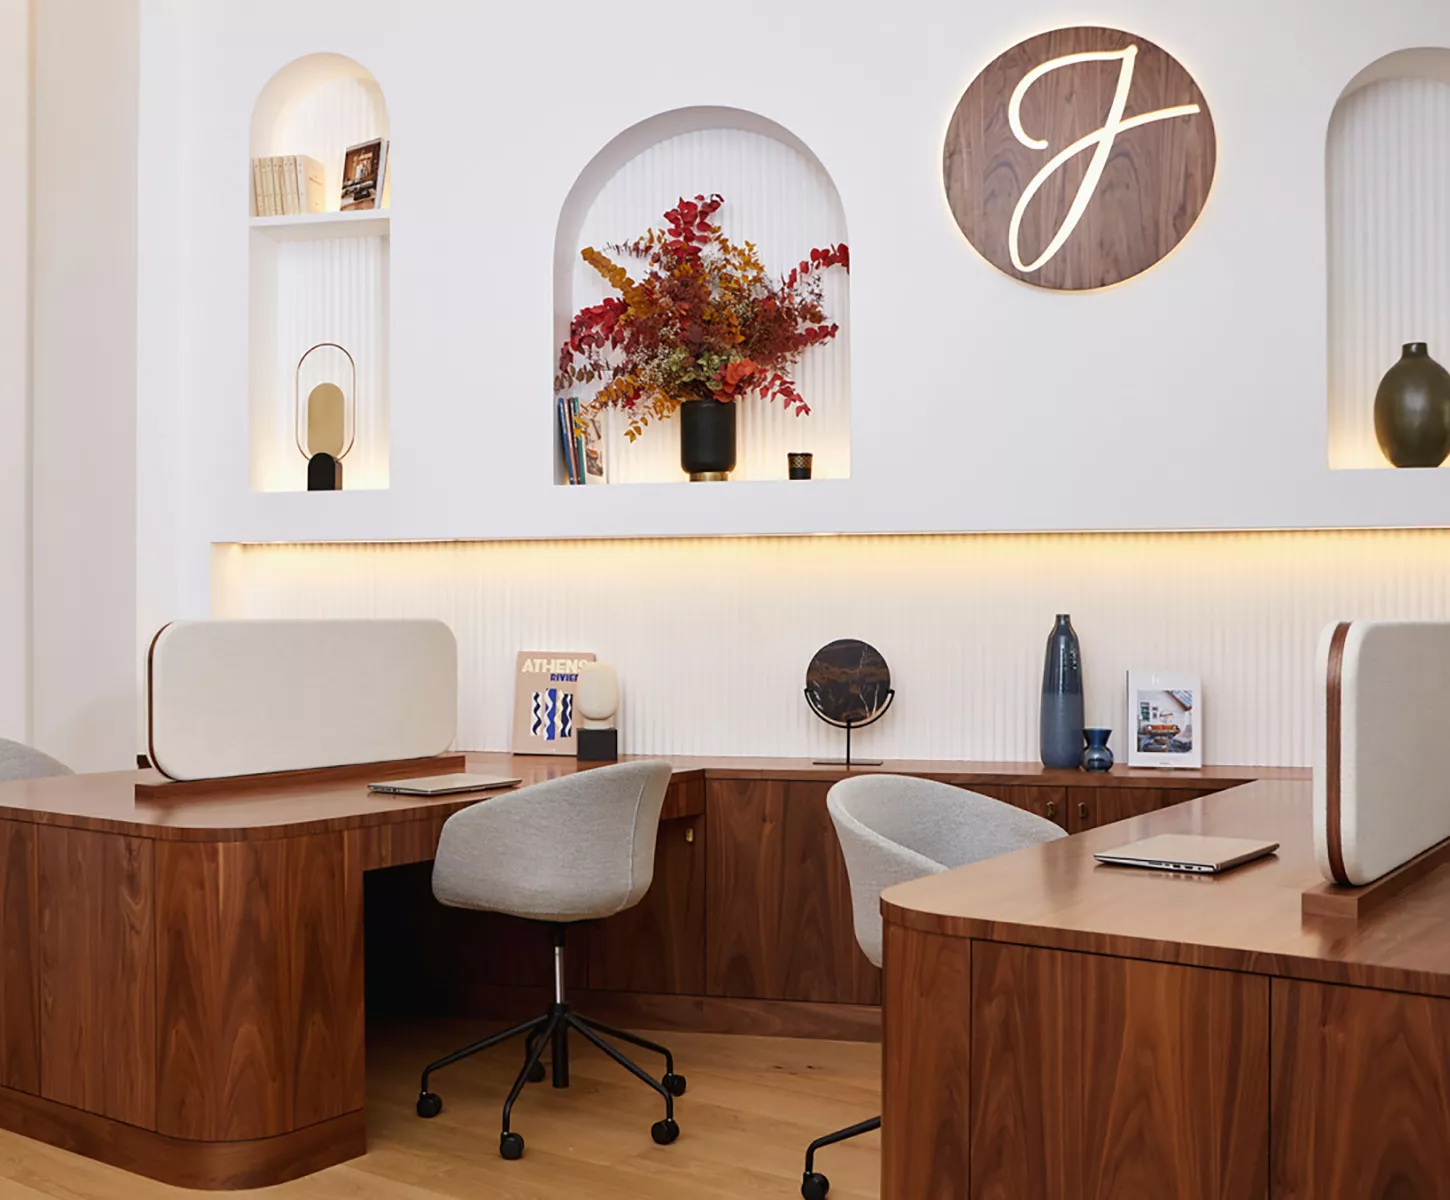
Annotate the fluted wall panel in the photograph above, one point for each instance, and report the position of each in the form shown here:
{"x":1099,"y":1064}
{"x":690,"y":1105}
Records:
{"x":711,"y":636}
{"x":1388,"y":179}
{"x":783,"y":202}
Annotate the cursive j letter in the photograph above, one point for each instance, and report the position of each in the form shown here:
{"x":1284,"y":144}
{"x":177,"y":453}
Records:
{"x":1100,"y":141}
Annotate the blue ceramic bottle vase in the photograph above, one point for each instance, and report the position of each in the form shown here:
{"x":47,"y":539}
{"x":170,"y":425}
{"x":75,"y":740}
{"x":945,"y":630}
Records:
{"x":1095,"y":755}
{"x":1061,"y":727}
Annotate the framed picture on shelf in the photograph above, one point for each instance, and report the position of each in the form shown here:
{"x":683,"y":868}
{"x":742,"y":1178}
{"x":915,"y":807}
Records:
{"x":1165,"y":719}
{"x":544,"y":686}
{"x":364,"y":171}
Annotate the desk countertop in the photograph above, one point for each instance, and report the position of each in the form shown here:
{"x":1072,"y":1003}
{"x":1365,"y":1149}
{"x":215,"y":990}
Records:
{"x":1249,"y":919}
{"x":107,"y":802}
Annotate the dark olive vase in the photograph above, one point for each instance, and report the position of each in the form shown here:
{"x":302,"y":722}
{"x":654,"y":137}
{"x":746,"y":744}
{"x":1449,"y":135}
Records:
{"x":1412,"y":410}
{"x":707,"y":440}
{"x":1061,"y":727}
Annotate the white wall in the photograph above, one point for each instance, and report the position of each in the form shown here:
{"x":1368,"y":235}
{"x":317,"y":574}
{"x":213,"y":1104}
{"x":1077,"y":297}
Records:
{"x":84,"y":381}
{"x":977,"y":403}
{"x":15,"y":370}
{"x":711,"y":636}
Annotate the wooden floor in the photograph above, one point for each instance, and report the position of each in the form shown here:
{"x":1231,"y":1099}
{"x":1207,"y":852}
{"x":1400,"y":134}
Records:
{"x":752,"y":1105}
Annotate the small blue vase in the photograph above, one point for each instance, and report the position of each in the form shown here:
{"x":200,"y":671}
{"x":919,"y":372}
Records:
{"x":1097,"y":756}
{"x":1061,"y":725}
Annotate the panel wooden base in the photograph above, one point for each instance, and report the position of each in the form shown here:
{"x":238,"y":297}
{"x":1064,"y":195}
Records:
{"x":1335,"y":900}
{"x":192,"y":789}
{"x":212,"y":1166}
{"x":692,"y":1014}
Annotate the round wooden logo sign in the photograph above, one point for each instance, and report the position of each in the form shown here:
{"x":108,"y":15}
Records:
{"x":1079,"y":158}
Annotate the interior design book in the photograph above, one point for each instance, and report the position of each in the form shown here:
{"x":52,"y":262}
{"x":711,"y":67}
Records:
{"x":364,"y":173}
{"x":544,"y":686}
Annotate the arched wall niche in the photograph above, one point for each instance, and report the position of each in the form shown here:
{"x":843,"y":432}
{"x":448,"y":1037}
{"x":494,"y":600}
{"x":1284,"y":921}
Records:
{"x":1387,"y":189}
{"x":321,"y":277}
{"x":779,"y":196}
{"x":319,"y":105}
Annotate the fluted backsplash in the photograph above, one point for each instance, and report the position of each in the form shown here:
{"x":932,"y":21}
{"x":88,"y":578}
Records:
{"x":711,"y":636}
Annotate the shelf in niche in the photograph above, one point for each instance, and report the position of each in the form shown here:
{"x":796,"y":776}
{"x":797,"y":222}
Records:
{"x":309,"y":226}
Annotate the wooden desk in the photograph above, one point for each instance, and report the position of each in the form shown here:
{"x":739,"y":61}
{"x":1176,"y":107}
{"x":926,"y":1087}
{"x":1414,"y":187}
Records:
{"x":1058,"y":1028}
{"x":182,"y":990}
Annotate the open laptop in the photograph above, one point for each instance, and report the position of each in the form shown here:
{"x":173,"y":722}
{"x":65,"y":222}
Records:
{"x":442,"y":785}
{"x":1187,"y":852}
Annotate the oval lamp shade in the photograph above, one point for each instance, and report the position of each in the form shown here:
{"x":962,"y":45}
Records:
{"x":325,"y":434}
{"x":596,"y":696}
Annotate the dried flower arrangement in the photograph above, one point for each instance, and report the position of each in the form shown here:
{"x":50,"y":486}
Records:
{"x":705,"y":322}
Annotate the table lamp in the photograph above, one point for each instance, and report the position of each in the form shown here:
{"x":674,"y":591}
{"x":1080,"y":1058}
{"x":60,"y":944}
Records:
{"x":596,"y":700}
{"x":326,"y":421}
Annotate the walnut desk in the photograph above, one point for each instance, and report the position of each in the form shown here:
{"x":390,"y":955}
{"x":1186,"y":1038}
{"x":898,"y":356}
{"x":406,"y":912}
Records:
{"x":182,"y":986}
{"x":1056,"y":1028}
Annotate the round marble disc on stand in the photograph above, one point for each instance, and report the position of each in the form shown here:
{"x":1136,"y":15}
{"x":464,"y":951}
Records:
{"x":848,"y":685}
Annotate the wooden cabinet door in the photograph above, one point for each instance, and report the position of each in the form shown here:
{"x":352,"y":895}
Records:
{"x":1108,"y":1078}
{"x":777,"y":902}
{"x":19,"y":959}
{"x":1361,"y":1094}
{"x":1090,"y":807}
{"x":1047,"y":802}
{"x":659,"y":944}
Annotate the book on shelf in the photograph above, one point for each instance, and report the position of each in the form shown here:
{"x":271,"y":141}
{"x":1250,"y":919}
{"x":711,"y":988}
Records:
{"x":582,"y":440}
{"x":287,"y":185}
{"x":364,"y":175}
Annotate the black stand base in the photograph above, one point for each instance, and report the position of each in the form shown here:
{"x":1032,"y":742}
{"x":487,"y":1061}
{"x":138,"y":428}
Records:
{"x":551,"y":1031}
{"x":849,"y":762}
{"x":598,"y":745}
{"x":324,"y":474}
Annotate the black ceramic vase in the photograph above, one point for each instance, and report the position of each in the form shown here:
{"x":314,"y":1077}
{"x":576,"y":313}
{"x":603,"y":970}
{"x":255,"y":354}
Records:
{"x":707,"y":440}
{"x":1412,"y":410}
{"x":1061,"y":728}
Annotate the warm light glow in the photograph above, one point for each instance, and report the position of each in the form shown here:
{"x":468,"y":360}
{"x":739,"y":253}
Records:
{"x":1100,"y":139}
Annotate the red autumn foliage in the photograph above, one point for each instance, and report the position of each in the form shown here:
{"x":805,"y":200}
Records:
{"x":705,"y":321}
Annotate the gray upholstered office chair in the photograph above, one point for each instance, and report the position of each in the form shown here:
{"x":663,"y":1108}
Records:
{"x":893,"y":829}
{"x":573,"y":849}
{"x":19,"y":761}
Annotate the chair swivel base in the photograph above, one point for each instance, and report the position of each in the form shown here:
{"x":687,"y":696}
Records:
{"x":814,"y":1185}
{"x":553,"y":1028}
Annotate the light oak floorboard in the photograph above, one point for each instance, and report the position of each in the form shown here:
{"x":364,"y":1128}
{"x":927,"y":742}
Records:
{"x":752,"y":1105}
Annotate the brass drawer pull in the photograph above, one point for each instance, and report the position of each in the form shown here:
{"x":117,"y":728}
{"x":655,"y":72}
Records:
{"x":1082,"y":809}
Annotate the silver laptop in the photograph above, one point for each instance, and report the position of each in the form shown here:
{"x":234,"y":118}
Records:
{"x":1187,"y":852}
{"x":442,"y":785}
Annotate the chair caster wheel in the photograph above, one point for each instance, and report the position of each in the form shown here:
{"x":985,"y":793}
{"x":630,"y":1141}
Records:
{"x":511,"y":1146}
{"x":815,"y":1186}
{"x":664,"y":1132}
{"x":429,"y":1105}
{"x":536,"y":1073}
{"x":674,"y":1084}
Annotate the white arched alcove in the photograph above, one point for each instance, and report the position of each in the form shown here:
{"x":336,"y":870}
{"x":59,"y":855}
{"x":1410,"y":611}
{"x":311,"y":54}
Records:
{"x":779,"y":196}
{"x":1387,"y":180}
{"x":319,"y":277}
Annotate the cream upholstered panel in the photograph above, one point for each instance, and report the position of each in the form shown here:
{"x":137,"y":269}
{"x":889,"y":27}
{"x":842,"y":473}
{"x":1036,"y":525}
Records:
{"x":251,"y":697}
{"x":1394,"y":754}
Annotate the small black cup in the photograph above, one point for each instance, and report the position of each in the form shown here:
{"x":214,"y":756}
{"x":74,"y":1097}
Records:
{"x":800,"y":464}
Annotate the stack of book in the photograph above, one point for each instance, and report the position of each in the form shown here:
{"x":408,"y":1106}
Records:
{"x":582,"y":443}
{"x":285,"y":184}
